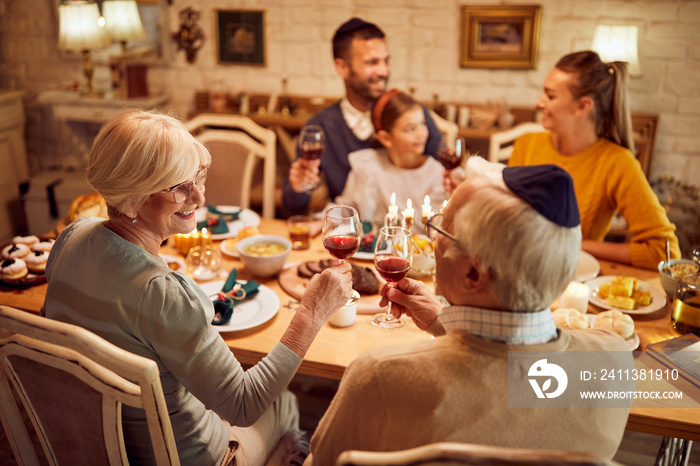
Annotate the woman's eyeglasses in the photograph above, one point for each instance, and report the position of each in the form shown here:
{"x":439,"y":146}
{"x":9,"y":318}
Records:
{"x":181,"y":192}
{"x":434,"y":224}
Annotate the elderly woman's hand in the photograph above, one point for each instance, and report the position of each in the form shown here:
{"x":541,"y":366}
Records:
{"x":327,"y":292}
{"x":414,"y":299}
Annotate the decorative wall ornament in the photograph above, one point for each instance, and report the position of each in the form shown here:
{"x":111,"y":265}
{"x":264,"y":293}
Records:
{"x":190,"y":37}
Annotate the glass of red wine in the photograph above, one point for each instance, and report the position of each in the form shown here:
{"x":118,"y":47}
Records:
{"x":341,"y":232}
{"x":450,"y":154}
{"x":312,"y":142}
{"x":393,"y":255}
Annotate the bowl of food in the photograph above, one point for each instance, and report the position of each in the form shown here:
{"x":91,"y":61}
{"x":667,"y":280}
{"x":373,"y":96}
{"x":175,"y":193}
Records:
{"x":264,"y":255}
{"x":672,"y":270}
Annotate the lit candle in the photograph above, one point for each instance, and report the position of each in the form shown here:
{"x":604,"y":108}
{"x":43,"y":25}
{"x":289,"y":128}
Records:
{"x":205,"y":237}
{"x":408,"y":213}
{"x":575,"y":296}
{"x":427,"y":211}
{"x":393,"y":208}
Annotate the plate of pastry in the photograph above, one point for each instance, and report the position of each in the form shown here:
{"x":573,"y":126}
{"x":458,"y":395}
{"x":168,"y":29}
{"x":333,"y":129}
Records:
{"x":626,"y":294}
{"x":612,"y":320}
{"x":23,"y":261}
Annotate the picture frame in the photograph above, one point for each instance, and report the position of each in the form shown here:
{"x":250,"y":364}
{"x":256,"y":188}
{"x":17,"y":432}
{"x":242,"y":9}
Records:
{"x":500,"y":36}
{"x":240,"y":37}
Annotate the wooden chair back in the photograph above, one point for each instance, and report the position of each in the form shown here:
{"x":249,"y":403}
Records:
{"x":450,"y":453}
{"x":501,"y":142}
{"x":237,"y":144}
{"x":449,"y":129}
{"x":72,"y":384}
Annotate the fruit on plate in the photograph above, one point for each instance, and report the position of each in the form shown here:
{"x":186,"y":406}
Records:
{"x":624,"y":293}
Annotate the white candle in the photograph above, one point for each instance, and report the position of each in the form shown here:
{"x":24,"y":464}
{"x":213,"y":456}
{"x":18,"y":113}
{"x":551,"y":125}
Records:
{"x":408,"y":213}
{"x":393,"y":208}
{"x":575,"y":296}
{"x":427,"y":211}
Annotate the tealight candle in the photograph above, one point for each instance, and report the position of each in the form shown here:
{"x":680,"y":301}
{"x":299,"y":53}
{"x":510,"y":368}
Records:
{"x":575,"y":296}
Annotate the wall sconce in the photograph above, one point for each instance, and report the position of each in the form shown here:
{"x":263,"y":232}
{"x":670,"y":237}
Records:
{"x":618,"y":43}
{"x":122,"y":21}
{"x":78,"y":31}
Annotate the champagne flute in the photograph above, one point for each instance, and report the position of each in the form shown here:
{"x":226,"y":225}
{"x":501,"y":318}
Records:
{"x":393,"y":255}
{"x":312,"y":142}
{"x":341,"y":231}
{"x":451,"y":155}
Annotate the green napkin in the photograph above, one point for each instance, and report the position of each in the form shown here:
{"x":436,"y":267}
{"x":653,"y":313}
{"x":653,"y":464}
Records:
{"x":223,"y":305}
{"x":216,"y":221}
{"x":369,"y":237}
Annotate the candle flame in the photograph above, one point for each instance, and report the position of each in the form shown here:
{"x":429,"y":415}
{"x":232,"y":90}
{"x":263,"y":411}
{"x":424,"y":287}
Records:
{"x":393,"y":198}
{"x":426,"y":200}
{"x":408,"y":204}
{"x":204,"y":231}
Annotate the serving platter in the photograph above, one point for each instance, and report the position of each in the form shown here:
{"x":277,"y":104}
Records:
{"x":658,"y":299}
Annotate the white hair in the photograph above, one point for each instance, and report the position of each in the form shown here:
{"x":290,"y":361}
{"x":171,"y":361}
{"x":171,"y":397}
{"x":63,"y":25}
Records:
{"x":530,"y":258}
{"x":138,"y":153}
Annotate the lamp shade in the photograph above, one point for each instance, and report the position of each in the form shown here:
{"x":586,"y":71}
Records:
{"x":78,"y":29}
{"x":122,"y":20}
{"x":618,"y":43}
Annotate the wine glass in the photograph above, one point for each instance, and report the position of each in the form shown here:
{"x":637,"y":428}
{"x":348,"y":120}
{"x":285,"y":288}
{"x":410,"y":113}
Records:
{"x":393,"y":255}
{"x":312,"y":142}
{"x":341,"y":231}
{"x":450,"y":155}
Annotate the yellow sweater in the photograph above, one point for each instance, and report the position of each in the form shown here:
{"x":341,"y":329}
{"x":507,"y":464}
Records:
{"x":608,"y":178}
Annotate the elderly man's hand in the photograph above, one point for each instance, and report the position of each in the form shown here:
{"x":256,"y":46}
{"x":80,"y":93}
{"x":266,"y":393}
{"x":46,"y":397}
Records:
{"x":304,"y":173}
{"x":414,"y":299}
{"x":327,"y":292}
{"x":452,"y":178}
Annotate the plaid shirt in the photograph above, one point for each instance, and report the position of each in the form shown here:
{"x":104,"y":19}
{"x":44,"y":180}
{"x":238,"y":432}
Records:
{"x":513,"y":328}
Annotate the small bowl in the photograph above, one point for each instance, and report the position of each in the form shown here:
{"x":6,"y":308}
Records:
{"x":667,"y":281}
{"x":268,"y":265}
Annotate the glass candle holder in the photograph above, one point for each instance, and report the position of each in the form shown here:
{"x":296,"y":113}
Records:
{"x":203,"y":262}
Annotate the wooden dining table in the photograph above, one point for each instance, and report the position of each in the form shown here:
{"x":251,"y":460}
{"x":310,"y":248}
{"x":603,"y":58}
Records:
{"x":334,"y":348}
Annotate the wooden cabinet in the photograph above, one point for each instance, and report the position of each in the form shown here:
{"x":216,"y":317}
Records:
{"x":13,"y":160}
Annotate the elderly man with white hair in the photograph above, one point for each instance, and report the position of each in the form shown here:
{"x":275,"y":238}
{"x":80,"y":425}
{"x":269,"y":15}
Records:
{"x":507,"y":245}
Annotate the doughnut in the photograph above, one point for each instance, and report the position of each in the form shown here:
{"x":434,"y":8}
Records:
{"x":36,"y":261}
{"x":616,"y":322}
{"x":15,"y":251}
{"x":570,"y":319}
{"x":13,"y":269}
{"x":44,"y":245}
{"x":28,"y":240}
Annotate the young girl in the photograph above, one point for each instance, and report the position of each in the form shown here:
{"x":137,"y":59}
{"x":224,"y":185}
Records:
{"x":398,"y":166}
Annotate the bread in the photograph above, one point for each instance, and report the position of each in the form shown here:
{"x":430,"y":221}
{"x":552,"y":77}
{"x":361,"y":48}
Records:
{"x":36,"y":261}
{"x":88,"y":205}
{"x":13,"y":269}
{"x":15,"y":251}
{"x":570,"y":319}
{"x":616,"y":322}
{"x":28,"y":240}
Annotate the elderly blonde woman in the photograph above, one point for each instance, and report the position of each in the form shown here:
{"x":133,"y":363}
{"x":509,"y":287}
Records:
{"x":107,"y":276}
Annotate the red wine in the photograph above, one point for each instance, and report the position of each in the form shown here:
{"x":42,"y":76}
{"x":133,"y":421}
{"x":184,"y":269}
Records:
{"x":449,"y":159}
{"x":393,"y":269}
{"x":312,"y":152}
{"x":341,"y":246}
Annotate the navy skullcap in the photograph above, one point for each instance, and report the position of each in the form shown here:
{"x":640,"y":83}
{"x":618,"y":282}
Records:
{"x":548,"y":189}
{"x":351,"y":25}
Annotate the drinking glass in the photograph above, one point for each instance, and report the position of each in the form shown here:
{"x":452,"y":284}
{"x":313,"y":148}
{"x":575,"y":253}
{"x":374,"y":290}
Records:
{"x":393,"y":255}
{"x":450,"y":155}
{"x":685,"y":315}
{"x":312,"y":142}
{"x":341,"y":231}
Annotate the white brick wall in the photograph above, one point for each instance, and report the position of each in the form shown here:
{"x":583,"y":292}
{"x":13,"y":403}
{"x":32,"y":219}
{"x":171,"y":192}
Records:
{"x":424,"y":40}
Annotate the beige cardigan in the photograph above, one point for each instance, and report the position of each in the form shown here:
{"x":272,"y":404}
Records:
{"x":454,"y":388}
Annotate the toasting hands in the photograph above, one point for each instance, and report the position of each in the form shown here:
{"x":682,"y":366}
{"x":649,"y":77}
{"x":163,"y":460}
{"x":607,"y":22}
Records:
{"x":413,"y":298}
{"x":304,"y":173}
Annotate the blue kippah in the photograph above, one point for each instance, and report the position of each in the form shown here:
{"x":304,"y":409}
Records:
{"x":351,"y":25}
{"x":548,"y":189}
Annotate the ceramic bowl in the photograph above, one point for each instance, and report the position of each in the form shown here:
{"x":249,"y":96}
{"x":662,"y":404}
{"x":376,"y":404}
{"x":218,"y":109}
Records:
{"x":263,"y":265}
{"x":667,"y":281}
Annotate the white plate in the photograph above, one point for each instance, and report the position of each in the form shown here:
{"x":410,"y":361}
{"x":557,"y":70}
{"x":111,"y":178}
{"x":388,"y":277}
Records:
{"x":250,"y":313}
{"x":658,"y":298}
{"x":363,"y":256}
{"x":174,"y":259}
{"x":247,"y":218}
{"x":224,"y":246}
{"x":632,"y":342}
{"x":588,"y":267}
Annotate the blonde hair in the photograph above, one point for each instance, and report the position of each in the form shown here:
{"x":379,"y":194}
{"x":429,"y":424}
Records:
{"x":138,"y":153}
{"x":530,"y":258}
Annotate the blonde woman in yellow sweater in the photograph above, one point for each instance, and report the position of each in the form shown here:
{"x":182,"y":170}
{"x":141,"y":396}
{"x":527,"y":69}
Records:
{"x":584,"y":107}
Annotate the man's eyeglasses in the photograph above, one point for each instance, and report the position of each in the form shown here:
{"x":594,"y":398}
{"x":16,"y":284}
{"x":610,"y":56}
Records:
{"x":181,"y":192}
{"x":434,"y":227}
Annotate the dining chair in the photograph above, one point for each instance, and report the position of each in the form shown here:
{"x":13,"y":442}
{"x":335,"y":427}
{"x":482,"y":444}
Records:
{"x":449,"y":129}
{"x":451,"y":453}
{"x":237,"y":144}
{"x":72,"y":384}
{"x":501,"y":142}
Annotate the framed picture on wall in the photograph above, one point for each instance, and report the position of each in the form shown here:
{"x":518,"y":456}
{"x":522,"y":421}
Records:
{"x":240,"y":36}
{"x":500,"y":36}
